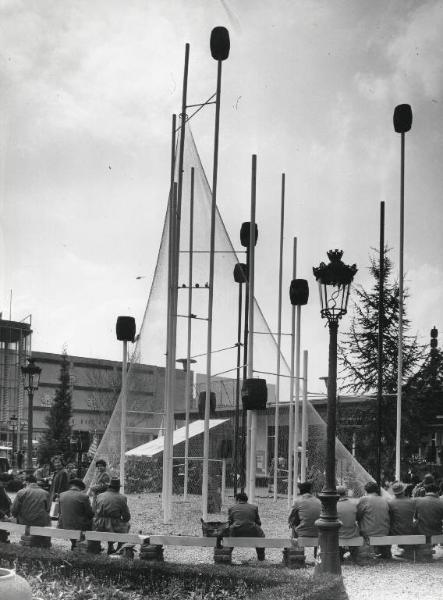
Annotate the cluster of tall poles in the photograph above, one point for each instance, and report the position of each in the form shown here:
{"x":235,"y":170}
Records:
{"x":334,"y":282}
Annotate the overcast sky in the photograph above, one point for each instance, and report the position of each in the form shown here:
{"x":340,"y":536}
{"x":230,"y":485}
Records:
{"x":87,"y":92}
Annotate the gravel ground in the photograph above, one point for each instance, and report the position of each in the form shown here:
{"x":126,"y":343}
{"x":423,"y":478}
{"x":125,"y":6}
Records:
{"x":379,"y":580}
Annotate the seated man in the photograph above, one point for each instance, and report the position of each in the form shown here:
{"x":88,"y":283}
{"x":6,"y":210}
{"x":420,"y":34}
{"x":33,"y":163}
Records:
{"x":429,"y":512}
{"x":373,"y":517}
{"x":347,"y":515}
{"x":244,"y":521}
{"x":75,"y":509}
{"x":31,"y":507}
{"x":401,"y":514}
{"x":112,"y":512}
{"x":305,"y":511}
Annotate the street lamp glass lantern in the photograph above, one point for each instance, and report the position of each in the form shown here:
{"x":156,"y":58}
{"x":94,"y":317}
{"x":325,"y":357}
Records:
{"x":334,"y":284}
{"x":31,"y":376}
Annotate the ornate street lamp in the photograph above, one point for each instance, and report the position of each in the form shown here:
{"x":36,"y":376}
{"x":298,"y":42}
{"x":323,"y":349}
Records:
{"x":31,"y":379}
{"x":334,"y":282}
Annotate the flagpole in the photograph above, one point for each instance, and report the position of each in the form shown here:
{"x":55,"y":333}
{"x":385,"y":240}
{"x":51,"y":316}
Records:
{"x":277,"y":390}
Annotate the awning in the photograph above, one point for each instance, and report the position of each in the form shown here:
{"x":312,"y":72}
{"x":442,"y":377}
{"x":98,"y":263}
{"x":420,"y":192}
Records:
{"x":156,"y":446}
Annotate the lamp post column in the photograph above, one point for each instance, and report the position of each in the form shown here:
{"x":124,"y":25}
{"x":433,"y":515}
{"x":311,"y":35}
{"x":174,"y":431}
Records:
{"x":328,"y":559}
{"x":30,"y":429}
{"x":334,"y":281}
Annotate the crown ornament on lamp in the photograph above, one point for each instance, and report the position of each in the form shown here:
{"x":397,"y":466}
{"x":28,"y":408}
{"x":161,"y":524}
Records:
{"x":334,"y":283}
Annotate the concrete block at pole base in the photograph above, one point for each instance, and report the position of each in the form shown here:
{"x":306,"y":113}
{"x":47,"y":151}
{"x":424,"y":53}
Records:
{"x":4,"y":537}
{"x":223,"y":556}
{"x":294,"y":558}
{"x":35,"y":541}
{"x":151,"y":552}
{"x":424,"y":552}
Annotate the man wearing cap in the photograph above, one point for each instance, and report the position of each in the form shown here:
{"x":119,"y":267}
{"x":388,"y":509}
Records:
{"x":112,"y":512}
{"x":347,"y":515}
{"x":305,"y":511}
{"x":401,"y":514}
{"x":75,"y":509}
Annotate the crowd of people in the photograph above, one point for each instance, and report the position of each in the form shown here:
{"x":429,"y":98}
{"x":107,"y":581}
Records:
{"x":376,"y":513}
{"x":101,"y":507}
{"x":400,"y":511}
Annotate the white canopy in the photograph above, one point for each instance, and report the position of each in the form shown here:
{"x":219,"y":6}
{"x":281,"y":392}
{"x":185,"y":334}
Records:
{"x":156,"y":446}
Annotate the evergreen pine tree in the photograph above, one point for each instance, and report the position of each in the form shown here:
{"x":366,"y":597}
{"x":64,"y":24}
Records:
{"x":358,"y":358}
{"x":56,"y":438}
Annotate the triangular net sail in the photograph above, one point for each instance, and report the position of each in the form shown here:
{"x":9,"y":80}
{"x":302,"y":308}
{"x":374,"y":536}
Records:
{"x":146,"y":376}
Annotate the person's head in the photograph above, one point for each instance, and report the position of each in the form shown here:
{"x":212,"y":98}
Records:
{"x":30,"y":479}
{"x":342,"y":491}
{"x":71,"y":467}
{"x":100,"y":464}
{"x":77,"y":484}
{"x":428,"y":478}
{"x":305,"y":487}
{"x":58,"y":463}
{"x":398,"y":489}
{"x":372,"y":488}
{"x":241,"y":497}
{"x":114,"y":484}
{"x":431,"y":488}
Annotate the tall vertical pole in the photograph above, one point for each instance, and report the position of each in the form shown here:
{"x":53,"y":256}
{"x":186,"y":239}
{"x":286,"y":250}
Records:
{"x":124,"y":392}
{"x":400,"y":312}
{"x":205,"y":478}
{"x":188,"y":352}
{"x":175,"y":272}
{"x":277,"y":390}
{"x":304,"y":416}
{"x":292,"y":461}
{"x":237,"y":392}
{"x":381,"y":306}
{"x":297,"y":386}
{"x":170,"y":362}
{"x":171,"y":229}
{"x":245,"y":413}
{"x":253,"y":438}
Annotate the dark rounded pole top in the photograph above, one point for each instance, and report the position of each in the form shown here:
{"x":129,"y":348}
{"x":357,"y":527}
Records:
{"x":220,"y":43}
{"x":245,"y":231}
{"x":125,"y":329}
{"x":402,"y":118}
{"x":241,"y":273}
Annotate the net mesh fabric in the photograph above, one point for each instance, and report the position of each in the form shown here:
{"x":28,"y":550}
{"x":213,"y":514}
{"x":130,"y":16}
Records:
{"x":145,"y":419}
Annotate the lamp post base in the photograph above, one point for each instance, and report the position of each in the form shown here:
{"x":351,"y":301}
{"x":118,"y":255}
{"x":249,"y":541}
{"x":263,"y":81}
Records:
{"x":328,"y":554}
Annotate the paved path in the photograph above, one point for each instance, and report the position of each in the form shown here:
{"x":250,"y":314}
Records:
{"x":395,"y":580}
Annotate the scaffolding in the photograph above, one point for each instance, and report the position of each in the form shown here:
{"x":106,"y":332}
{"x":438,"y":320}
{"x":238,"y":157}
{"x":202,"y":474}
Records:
{"x":15,"y":348}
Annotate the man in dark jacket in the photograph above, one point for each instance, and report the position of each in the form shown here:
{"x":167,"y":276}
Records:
{"x":31,"y":507}
{"x":347,"y":515}
{"x":75,"y":509}
{"x":429,"y":512}
{"x":60,"y":480}
{"x":401,"y":514}
{"x":305,"y":511}
{"x":373,"y":517}
{"x":112,"y":512}
{"x":244,"y":521}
